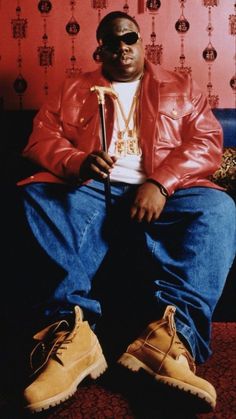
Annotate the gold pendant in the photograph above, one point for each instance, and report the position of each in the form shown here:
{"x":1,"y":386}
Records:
{"x":120,"y":135}
{"x":120,"y":148}
{"x":120,"y":145}
{"x":133,"y":146}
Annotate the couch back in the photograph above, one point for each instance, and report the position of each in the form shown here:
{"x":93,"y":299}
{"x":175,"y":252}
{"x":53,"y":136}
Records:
{"x":227,"y":118}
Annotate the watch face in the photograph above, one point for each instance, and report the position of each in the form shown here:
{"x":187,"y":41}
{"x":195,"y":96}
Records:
{"x":161,"y":188}
{"x":163,"y":191}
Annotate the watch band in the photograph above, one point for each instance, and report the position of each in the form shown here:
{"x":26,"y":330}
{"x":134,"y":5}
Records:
{"x":160,"y":186}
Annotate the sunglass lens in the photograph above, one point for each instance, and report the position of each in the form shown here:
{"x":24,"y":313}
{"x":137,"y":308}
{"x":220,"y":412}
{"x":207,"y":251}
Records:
{"x":130,"y":38}
{"x":112,"y":43}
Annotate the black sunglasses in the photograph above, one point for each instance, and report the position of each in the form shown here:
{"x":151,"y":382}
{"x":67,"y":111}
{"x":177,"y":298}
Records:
{"x":112,"y":42}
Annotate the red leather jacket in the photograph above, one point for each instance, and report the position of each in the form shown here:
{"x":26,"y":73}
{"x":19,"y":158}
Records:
{"x":181,"y":139}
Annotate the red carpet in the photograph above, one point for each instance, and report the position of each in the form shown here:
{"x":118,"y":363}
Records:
{"x":120,"y":394}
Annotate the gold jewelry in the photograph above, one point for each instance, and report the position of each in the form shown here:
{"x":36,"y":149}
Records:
{"x":127,"y":139}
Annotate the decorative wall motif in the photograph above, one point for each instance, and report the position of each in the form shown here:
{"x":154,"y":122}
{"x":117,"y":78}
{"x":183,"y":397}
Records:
{"x":232,"y":31}
{"x":153,"y":51}
{"x":209,"y":54}
{"x":126,"y":7}
{"x":19,"y":28}
{"x":99,"y":5}
{"x":140,"y":6}
{"x":232,"y":22}
{"x":210,"y":3}
{"x":182,"y":26}
{"x":153,"y":5}
{"x":50,"y":40}
{"x":73,"y":28}
{"x":45,"y":52}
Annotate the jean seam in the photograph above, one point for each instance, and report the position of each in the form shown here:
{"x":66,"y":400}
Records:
{"x":89,"y":222}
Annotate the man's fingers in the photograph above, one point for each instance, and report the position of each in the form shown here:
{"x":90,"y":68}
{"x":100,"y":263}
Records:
{"x":133,"y":212}
{"x":109,"y":160}
{"x":103,"y":165}
{"x":97,"y":165}
{"x":98,"y":172}
{"x":142,"y":214}
{"x":137,"y":213}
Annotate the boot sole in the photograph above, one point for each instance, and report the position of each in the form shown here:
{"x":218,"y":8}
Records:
{"x":135,"y":365}
{"x":94,"y":371}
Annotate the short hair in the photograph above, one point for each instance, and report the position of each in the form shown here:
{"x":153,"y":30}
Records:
{"x":109,"y":18}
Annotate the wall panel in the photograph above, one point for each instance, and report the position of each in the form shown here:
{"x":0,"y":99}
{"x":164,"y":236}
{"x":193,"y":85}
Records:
{"x":25,"y":49}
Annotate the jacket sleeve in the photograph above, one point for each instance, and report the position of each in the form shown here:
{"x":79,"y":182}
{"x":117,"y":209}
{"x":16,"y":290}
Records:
{"x":200,"y":152}
{"x":47,"y":145}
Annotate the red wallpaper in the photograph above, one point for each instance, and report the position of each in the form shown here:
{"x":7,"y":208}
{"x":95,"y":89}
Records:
{"x":42,"y":42}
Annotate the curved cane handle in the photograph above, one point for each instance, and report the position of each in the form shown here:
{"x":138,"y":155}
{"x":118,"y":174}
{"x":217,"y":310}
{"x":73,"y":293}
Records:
{"x":101,"y":91}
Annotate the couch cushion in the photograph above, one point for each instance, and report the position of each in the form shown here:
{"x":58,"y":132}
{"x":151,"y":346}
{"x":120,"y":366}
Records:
{"x":226,"y":174}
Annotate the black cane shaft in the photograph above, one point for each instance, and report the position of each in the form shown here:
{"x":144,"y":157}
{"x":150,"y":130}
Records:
{"x":104,"y":147}
{"x":104,"y":136}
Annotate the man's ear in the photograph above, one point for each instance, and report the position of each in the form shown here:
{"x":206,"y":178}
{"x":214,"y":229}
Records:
{"x":97,"y":55}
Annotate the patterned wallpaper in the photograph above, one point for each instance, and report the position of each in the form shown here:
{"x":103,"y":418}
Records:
{"x":41,"y":42}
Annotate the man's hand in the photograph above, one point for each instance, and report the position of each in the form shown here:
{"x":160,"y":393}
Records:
{"x":97,"y":166}
{"x":148,"y":203}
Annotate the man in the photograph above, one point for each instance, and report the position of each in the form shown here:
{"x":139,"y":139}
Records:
{"x":163,"y":143}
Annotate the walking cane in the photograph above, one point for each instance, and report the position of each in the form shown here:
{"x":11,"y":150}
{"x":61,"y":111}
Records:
{"x":101,"y":91}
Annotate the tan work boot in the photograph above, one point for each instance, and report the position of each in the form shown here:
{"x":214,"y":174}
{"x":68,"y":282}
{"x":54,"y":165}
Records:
{"x":69,"y":356}
{"x":159,"y":352}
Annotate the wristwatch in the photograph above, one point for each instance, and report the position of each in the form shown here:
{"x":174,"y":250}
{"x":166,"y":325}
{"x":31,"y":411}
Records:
{"x":160,"y":186}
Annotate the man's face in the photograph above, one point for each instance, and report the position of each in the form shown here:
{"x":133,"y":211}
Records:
{"x":123,"y":54}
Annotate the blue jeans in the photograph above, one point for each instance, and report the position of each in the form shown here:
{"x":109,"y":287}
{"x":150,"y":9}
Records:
{"x":184,"y":256}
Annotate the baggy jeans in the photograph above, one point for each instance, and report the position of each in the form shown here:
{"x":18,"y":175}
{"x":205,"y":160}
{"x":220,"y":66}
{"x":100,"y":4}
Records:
{"x":187,"y":252}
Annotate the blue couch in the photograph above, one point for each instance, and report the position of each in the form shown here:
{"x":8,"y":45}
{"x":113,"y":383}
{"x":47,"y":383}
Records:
{"x":226,"y":174}
{"x":227,"y":118}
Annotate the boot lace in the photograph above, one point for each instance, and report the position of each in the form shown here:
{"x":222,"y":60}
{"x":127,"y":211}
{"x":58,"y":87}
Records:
{"x":170,"y":323}
{"x":51,"y":343}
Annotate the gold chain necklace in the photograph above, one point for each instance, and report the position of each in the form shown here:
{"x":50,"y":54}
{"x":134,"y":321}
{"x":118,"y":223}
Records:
{"x":127,"y":139}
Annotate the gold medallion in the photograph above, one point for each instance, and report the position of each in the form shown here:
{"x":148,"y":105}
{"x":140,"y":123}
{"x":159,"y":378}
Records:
{"x":127,"y":139}
{"x":133,"y":146}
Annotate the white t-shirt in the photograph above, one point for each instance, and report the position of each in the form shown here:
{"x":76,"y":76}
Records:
{"x":127,"y":169}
